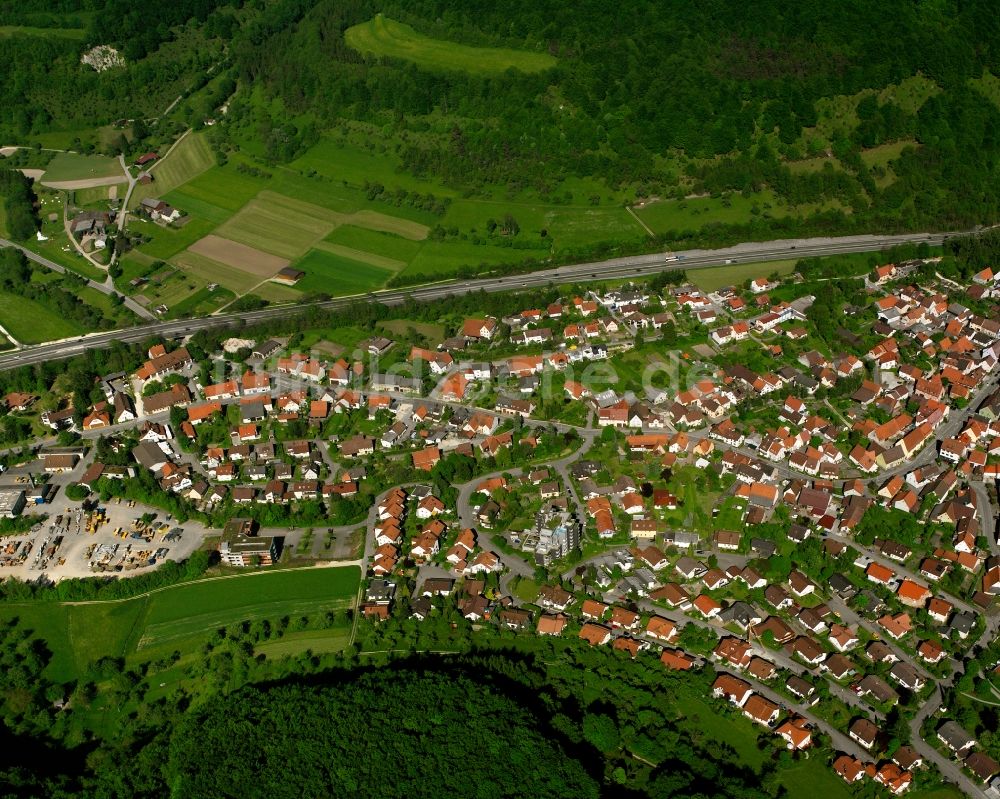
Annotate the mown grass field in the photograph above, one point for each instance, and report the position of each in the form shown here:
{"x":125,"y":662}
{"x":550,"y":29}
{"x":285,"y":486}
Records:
{"x":316,"y":213}
{"x":189,"y":158}
{"x":279,"y":225}
{"x":202,"y":302}
{"x":387,"y":223}
{"x":318,"y":204}
{"x":73,"y":166}
{"x":71,"y":259}
{"x":208,"y":270}
{"x":180,"y":617}
{"x":336,"y":275}
{"x":32,"y":323}
{"x":198,"y":609}
{"x":381,"y":261}
{"x":166,"y":242}
{"x":382,"y":36}
{"x":172,"y":287}
{"x":220,"y":188}
{"x":384,"y":244}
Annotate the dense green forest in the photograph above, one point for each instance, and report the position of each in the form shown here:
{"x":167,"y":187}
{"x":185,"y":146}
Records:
{"x":45,"y":86}
{"x":712,"y":96}
{"x":497,"y":721}
{"x":18,"y":204}
{"x":433,"y":738}
{"x":663,"y":98}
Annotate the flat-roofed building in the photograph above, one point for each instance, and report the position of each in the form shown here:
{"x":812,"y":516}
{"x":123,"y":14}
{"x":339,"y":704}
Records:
{"x":241,"y":546}
{"x":11,"y":502}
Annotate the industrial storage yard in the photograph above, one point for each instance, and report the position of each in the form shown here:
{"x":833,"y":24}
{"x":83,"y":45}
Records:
{"x":67,"y":541}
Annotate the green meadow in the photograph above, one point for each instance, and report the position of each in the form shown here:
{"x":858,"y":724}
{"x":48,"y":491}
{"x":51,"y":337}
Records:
{"x":382,"y":36}
{"x":73,"y":166}
{"x":177,"y":618}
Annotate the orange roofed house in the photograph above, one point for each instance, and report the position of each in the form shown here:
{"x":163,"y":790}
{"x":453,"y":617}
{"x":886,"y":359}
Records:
{"x":162,"y":363}
{"x":425,"y":459}
{"x":479,"y":328}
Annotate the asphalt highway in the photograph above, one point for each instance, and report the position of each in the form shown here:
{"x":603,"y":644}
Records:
{"x":616,"y":268}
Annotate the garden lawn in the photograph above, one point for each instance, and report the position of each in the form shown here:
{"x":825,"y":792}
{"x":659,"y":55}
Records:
{"x":705,"y":722}
{"x":715,"y":277}
{"x":527,"y":590}
{"x":813,"y":778}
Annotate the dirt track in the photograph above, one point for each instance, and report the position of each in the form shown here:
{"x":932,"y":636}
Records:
{"x":89,"y":183}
